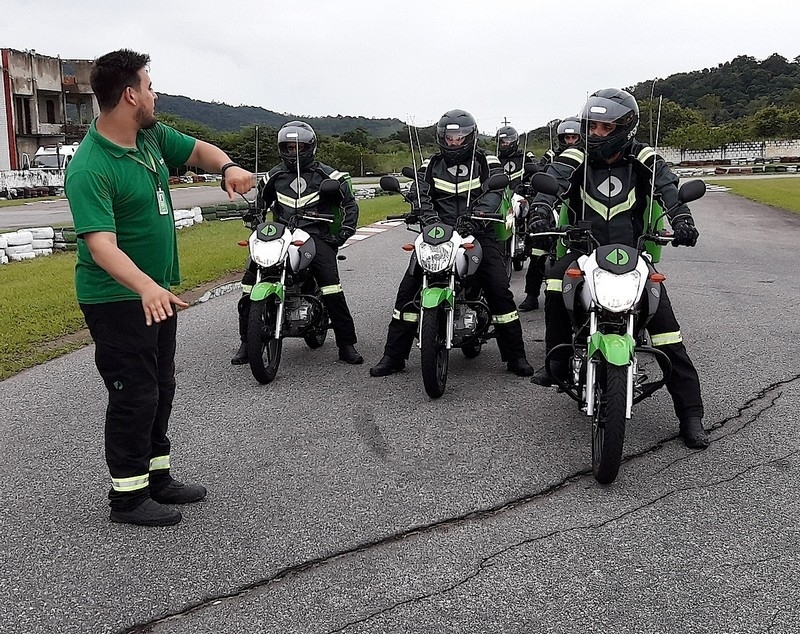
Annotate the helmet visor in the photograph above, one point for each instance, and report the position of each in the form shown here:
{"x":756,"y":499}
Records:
{"x":605,"y":111}
{"x":455,"y":135}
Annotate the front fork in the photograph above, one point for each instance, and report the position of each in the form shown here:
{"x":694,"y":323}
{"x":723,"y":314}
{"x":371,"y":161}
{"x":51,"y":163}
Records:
{"x":450,"y":314}
{"x":279,"y":314}
{"x":591,"y":372}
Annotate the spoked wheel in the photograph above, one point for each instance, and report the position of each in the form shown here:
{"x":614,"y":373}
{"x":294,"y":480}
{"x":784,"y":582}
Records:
{"x":507,"y":256}
{"x":435,"y":355}
{"x":316,"y":337}
{"x":608,"y":424}
{"x":263,"y":349}
{"x":472,"y":350}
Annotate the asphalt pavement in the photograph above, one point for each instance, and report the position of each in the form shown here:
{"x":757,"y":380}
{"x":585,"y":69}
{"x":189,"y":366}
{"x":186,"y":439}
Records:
{"x":343,"y":503}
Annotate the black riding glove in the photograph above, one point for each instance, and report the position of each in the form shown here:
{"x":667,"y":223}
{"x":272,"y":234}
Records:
{"x":539,"y":224}
{"x":684,"y":232}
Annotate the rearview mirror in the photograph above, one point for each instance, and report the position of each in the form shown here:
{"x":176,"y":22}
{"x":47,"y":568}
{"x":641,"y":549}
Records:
{"x":390,"y":184}
{"x":544,"y":184}
{"x":497,"y":181}
{"x":691,"y":190}
{"x":408,"y":172}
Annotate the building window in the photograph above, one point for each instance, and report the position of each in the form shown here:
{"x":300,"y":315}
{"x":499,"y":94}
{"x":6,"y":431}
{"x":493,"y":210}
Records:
{"x":50,"y":106}
{"x":23,"y":115}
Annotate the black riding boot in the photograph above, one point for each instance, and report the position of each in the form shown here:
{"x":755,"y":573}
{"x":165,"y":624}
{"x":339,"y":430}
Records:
{"x":240,"y":358}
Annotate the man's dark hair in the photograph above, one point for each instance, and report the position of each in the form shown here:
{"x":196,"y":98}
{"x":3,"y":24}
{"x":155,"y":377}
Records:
{"x":113,"y":73}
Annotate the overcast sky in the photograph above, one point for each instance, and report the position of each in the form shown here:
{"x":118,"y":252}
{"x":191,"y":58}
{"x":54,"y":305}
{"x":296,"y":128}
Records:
{"x":529,"y":61}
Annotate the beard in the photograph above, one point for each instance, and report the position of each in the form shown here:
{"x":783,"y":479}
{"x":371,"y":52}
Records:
{"x":146,"y":120}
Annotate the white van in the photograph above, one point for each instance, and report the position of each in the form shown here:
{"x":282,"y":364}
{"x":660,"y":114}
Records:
{"x":56,"y":157}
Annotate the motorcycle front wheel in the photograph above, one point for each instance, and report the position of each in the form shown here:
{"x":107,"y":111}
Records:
{"x":263,"y":349}
{"x":435,"y":355}
{"x":518,"y":264}
{"x":608,"y":425}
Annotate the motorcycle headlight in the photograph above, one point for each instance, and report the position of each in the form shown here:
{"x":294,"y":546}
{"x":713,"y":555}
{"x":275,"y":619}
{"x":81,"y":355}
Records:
{"x":616,"y":293}
{"x":266,"y":254}
{"x":435,"y":257}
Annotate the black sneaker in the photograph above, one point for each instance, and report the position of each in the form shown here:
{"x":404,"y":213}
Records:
{"x":349,"y":354}
{"x":178,"y":493}
{"x":148,"y":513}
{"x":386,"y":366}
{"x":531,"y":302}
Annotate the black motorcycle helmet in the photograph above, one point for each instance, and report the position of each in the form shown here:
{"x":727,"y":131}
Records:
{"x":610,"y":105}
{"x":507,"y":142}
{"x":303,"y":135}
{"x":455,"y":135}
{"x":571,"y":126}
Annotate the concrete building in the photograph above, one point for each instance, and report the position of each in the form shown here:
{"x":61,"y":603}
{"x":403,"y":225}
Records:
{"x":45,"y":101}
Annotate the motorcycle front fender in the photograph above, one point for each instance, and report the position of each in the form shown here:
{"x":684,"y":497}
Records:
{"x":434,"y":296}
{"x":262,"y":290}
{"x":616,"y":349}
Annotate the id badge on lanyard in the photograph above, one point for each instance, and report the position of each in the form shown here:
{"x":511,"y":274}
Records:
{"x":163,"y":207}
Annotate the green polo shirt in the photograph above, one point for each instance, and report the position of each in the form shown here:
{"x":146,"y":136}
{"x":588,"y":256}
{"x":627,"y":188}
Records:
{"x":117,"y":189}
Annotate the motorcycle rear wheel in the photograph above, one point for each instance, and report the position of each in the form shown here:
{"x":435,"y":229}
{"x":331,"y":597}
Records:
{"x":317,"y":336}
{"x":263,"y":349}
{"x":608,"y":424}
{"x":435,"y":356}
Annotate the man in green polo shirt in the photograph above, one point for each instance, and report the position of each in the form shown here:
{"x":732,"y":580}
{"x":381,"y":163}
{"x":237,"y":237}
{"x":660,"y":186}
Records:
{"x":117,"y":185}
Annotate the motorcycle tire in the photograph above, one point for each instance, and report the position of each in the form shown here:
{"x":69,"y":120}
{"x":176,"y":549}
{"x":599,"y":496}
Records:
{"x":472,"y":350}
{"x":435,"y":356}
{"x":518,"y":264}
{"x":263,"y":349}
{"x":508,"y":259}
{"x":317,"y":336}
{"x":608,"y":425}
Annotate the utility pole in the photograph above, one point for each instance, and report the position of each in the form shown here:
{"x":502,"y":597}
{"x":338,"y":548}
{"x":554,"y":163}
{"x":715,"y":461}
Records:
{"x":506,"y":121}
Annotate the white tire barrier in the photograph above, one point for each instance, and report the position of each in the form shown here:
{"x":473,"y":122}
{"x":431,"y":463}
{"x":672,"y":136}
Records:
{"x":42,"y":252}
{"x":18,"y":257}
{"x":41,"y":243}
{"x":42,"y":233}
{"x":17,"y":238}
{"x":18,"y":248}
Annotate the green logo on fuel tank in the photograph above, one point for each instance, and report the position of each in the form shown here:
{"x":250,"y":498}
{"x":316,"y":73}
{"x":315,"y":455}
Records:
{"x":436,"y":233}
{"x":618,"y":257}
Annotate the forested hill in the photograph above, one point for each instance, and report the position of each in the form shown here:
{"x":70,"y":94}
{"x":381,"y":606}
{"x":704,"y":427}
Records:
{"x":225,"y":118}
{"x":732,"y":90}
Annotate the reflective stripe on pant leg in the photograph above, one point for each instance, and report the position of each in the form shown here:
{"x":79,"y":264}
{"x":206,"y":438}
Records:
{"x":127,"y":485}
{"x":666,"y":338}
{"x":407,"y":317}
{"x":505,"y":319}
{"x":554,"y":285}
{"x":332,"y":289}
{"x":159,"y":462}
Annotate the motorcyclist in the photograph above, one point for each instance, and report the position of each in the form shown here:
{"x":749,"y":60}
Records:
{"x":616,"y":172}
{"x":568,"y":134}
{"x":292,"y":186}
{"x":446,"y":180}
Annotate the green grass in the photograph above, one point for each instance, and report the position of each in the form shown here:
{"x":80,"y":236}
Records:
{"x":37,"y":297}
{"x":783,"y":192}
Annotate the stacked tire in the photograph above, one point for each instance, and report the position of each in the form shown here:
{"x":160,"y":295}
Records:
{"x":65,"y":239}
{"x":3,"y":245}
{"x":19,"y":245}
{"x":42,"y":240}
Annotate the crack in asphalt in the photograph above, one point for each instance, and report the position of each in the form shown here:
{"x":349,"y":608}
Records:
{"x":487,"y":561}
{"x":474,"y":516}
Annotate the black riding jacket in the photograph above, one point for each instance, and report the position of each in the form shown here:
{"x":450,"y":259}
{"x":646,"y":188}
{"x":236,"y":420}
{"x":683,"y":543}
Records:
{"x":616,"y":197}
{"x":443,"y":189}
{"x":514,"y":166}
{"x":278,"y":190}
